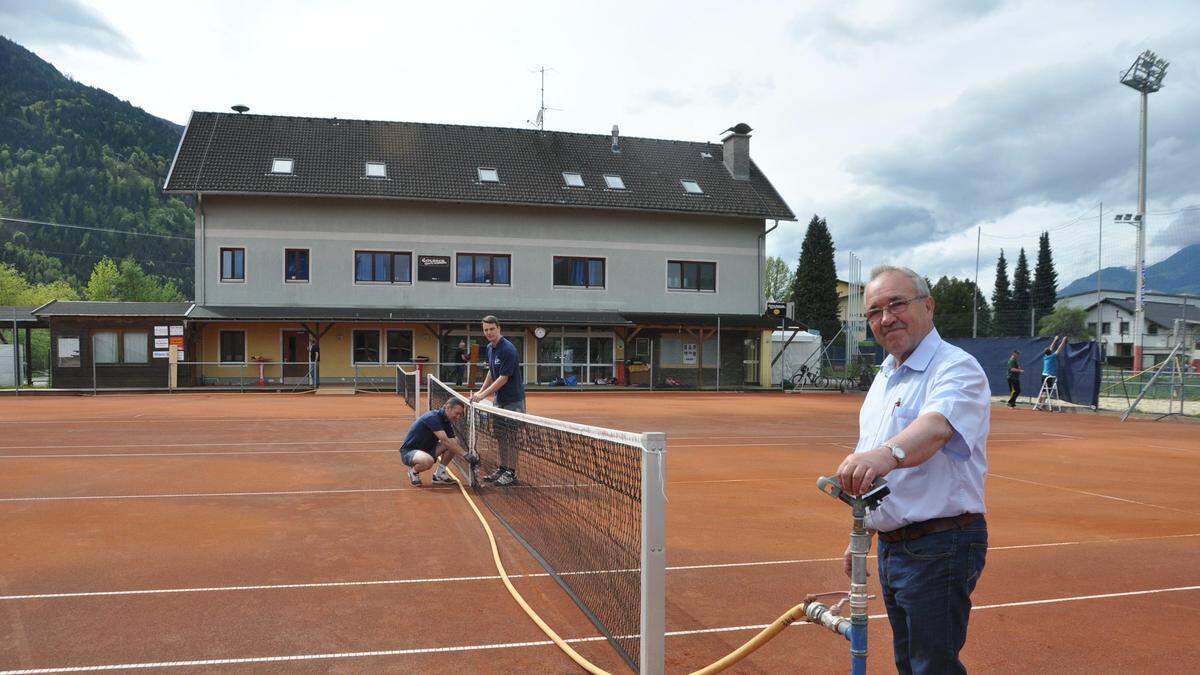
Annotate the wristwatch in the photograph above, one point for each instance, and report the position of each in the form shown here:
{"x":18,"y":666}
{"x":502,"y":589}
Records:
{"x":898,"y":453}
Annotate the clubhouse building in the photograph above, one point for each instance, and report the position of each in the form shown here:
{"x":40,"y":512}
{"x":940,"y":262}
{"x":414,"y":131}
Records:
{"x":362,"y":245}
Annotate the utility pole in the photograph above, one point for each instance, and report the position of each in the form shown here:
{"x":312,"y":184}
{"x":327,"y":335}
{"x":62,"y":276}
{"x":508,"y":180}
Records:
{"x":975,"y":295}
{"x":1145,"y":76}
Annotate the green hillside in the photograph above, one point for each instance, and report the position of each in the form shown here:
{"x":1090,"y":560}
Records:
{"x":74,"y":154}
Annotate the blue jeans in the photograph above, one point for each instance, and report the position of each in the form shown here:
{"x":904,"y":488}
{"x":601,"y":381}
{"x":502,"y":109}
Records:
{"x":927,"y":585}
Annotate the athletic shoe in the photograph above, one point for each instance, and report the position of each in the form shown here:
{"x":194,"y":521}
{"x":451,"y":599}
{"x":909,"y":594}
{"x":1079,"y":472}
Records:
{"x":443,"y":479}
{"x":495,"y":475}
{"x":414,"y":477}
{"x":507,"y":478}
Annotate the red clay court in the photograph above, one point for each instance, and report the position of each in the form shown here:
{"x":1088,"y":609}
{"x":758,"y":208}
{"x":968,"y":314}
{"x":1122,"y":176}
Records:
{"x":277,"y":533}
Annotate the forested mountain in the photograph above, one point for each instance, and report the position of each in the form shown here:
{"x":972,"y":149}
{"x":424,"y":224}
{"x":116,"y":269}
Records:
{"x":77,"y":155}
{"x":1176,"y":274}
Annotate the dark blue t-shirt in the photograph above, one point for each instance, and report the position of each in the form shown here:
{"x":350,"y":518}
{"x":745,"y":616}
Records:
{"x":503,"y":359}
{"x":420,"y":434}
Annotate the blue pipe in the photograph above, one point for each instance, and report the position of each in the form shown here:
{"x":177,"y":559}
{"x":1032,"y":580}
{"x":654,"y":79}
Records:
{"x":858,"y":649}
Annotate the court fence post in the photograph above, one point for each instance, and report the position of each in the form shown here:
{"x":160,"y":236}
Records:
{"x":654,"y":556}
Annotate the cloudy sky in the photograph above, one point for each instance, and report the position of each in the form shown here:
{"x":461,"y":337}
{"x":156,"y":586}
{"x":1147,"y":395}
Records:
{"x":907,"y":125}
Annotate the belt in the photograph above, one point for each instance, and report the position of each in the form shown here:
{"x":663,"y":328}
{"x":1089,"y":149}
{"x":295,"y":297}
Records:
{"x":918,"y":530}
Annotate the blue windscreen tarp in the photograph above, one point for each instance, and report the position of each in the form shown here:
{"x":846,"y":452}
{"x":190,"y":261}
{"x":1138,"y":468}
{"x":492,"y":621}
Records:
{"x":1078,"y":366}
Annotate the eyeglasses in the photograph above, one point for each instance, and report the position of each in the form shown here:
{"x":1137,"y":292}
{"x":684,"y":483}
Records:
{"x":895,"y":308}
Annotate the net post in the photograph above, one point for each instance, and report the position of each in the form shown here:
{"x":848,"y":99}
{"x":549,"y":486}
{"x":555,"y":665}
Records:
{"x":654,"y":556}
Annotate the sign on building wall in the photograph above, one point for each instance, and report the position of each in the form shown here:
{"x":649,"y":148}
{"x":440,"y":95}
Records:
{"x":433,"y":268}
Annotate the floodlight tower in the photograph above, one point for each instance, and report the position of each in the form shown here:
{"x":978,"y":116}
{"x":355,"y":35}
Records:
{"x":1146,"y":76}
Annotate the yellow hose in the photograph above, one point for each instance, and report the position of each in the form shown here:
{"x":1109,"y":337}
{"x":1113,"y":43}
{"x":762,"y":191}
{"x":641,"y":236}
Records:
{"x":724,"y":662}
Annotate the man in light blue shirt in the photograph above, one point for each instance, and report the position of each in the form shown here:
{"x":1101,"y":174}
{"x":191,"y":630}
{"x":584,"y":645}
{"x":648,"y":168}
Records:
{"x":924,"y":425}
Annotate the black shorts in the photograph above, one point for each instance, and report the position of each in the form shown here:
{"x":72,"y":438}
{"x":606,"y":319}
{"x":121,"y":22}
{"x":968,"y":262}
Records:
{"x":1048,"y":380}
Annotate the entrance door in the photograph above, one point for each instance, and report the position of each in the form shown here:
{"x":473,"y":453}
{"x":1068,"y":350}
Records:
{"x":295,"y":353}
{"x":750,"y":360}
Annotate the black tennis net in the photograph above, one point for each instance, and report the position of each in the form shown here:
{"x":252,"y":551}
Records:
{"x":408,"y":386}
{"x":439,"y":393}
{"x":588,"y":505}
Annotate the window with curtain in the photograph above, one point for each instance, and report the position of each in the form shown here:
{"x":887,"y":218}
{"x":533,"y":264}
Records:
{"x":579,"y":272}
{"x":104,"y":346}
{"x":383,"y":267}
{"x":686,"y":275}
{"x":233,"y":264}
{"x":136,"y":347}
{"x":295,"y":265}
{"x":483,"y":268}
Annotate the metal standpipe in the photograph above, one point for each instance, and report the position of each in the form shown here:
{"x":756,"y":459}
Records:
{"x":854,"y":628}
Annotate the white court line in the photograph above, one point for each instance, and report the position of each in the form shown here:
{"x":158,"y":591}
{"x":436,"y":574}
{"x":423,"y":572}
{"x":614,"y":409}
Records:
{"x":1047,"y":433}
{"x":493,"y":577}
{"x":517,"y":645}
{"x":199,"y":445}
{"x":218,"y":420}
{"x":195,"y":454}
{"x":207,"y":494}
{"x":1091,"y":494}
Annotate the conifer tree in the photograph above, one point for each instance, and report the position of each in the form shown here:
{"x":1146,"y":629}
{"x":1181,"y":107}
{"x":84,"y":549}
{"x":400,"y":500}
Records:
{"x":1002,"y":298}
{"x":814,"y":288}
{"x":1022,"y":297}
{"x":1045,"y":279}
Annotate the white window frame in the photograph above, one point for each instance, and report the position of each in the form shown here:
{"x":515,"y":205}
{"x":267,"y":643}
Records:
{"x":585,"y":256}
{"x":221,"y":265}
{"x":116,"y":361}
{"x":614,"y":182}
{"x":245,"y":346}
{"x":485,"y":177}
{"x":568,"y":176}
{"x":380,"y":345}
{"x":667,"y":276}
{"x":289,"y":282}
{"x":382,"y":166}
{"x":77,"y":356}
{"x":383,"y":347}
{"x":354,"y":268}
{"x":145,"y":346}
{"x":277,"y":163}
{"x":685,"y":182}
{"x":472,"y":284}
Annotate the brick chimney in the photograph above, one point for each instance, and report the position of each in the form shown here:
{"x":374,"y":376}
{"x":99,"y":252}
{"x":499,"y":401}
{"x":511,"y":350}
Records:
{"x":736,"y":150}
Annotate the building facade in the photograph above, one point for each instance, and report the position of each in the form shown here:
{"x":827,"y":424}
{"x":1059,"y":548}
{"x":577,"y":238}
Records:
{"x":1110,"y":317}
{"x":373,"y":244}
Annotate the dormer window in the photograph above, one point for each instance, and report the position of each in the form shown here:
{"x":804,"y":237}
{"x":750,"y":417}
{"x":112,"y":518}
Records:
{"x":376,"y":170}
{"x":488,"y":175}
{"x":572,"y":179}
{"x":614,"y":182}
{"x":281,"y":165}
{"x":692,"y":187}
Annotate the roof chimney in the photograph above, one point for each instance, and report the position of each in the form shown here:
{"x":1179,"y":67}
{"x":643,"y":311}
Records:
{"x":616,"y":146}
{"x":736,"y":150}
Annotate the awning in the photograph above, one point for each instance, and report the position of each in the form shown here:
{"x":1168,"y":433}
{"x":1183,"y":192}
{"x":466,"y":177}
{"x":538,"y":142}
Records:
{"x":404,"y":314}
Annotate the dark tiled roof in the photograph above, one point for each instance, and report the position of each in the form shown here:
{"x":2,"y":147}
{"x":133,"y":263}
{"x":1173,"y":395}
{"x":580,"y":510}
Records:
{"x":230,"y":153}
{"x":22,"y":315}
{"x":101,"y":309}
{"x":417,"y":315}
{"x":1161,"y":313}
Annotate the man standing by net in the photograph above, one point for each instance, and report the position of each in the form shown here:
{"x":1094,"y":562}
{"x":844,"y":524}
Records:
{"x":505,"y":381}
{"x":923,"y":424}
{"x":1014,"y":378}
{"x":432,"y":436}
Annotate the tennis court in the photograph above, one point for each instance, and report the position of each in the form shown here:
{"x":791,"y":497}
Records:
{"x":277,"y":533}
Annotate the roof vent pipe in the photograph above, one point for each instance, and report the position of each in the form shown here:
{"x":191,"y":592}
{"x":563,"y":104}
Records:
{"x":616,"y":144}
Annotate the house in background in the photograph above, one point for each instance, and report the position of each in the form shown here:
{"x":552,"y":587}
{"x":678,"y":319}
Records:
{"x":1110,"y":316}
{"x":384,"y":243}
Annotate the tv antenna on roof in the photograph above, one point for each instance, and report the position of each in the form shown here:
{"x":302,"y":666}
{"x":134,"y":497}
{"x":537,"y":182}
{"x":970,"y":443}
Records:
{"x":540,"y":120}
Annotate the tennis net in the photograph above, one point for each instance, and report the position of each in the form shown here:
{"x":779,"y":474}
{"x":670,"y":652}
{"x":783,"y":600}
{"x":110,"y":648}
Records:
{"x":589,"y":506}
{"x":408,"y":385}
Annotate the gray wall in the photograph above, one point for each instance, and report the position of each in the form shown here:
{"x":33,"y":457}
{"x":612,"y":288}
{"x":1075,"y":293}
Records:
{"x":636,"y":245}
